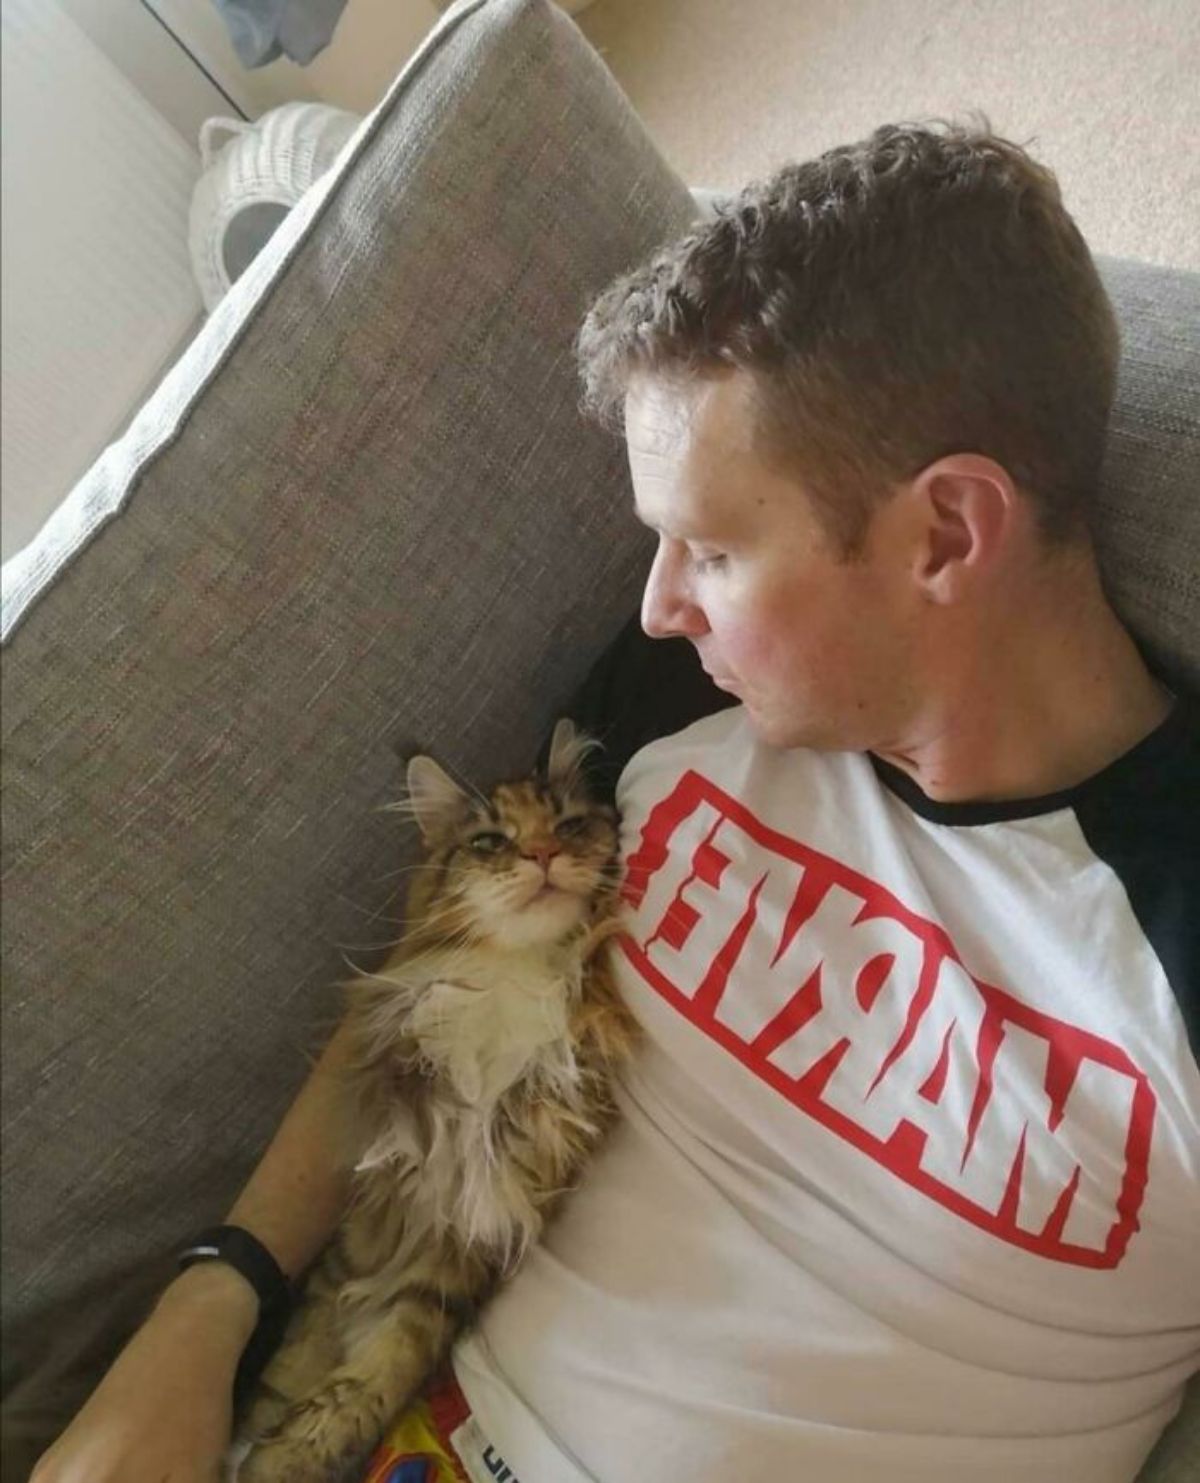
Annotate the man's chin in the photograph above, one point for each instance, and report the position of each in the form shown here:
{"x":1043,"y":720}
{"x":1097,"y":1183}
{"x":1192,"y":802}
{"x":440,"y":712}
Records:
{"x":786,"y":733}
{"x":770,"y":730}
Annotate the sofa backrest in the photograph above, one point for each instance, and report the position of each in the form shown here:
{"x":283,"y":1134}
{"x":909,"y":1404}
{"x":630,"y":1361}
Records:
{"x":1148,"y":520}
{"x":360,"y":517}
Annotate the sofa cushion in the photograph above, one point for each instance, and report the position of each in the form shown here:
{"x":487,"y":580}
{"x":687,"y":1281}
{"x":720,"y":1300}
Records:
{"x":1148,"y":519}
{"x":361,"y":516}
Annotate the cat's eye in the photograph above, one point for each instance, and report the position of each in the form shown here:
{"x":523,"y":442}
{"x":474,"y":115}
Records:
{"x":488,"y":843}
{"x":575,"y":825}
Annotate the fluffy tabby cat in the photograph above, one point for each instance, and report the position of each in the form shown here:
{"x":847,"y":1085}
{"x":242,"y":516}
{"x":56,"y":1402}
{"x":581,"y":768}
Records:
{"x":481,"y":1080}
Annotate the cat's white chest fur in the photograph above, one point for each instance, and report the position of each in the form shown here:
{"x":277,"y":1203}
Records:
{"x":485,"y":1020}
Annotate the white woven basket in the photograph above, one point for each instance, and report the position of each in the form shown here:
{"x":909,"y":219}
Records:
{"x":250,"y":182}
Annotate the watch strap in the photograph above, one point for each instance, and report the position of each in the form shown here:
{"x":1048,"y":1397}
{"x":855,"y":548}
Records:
{"x":246,"y":1254}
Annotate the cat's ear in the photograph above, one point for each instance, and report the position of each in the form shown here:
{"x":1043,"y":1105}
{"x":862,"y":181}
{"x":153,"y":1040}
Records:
{"x":435,"y":800}
{"x":568,"y":748}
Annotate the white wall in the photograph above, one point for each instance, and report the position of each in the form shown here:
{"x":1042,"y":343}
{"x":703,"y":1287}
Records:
{"x":101,"y":107}
{"x":372,"y":42}
{"x":97,"y":291}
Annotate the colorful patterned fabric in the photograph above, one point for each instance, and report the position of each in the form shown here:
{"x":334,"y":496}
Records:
{"x":417,"y":1448}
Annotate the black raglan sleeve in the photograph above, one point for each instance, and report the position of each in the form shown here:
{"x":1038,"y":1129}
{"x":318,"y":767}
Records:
{"x":1143,"y":821}
{"x":638,"y":690}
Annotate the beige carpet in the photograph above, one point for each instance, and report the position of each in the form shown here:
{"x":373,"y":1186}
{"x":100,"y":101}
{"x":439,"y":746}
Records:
{"x":1106,"y":92}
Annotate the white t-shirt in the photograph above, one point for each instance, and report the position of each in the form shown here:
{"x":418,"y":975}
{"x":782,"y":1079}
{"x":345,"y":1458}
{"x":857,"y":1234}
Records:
{"x":907,"y":1183}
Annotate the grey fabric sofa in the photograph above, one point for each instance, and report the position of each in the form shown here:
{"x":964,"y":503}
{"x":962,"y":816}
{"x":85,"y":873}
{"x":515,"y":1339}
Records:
{"x":360,"y":516}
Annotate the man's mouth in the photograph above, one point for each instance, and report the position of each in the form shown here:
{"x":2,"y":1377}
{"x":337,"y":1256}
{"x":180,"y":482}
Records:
{"x":722,"y":681}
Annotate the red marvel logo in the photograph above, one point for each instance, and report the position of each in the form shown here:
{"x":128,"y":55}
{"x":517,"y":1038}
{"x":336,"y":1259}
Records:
{"x":862,"y":1014}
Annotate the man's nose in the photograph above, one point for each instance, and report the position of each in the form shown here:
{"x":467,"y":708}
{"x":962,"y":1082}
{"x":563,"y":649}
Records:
{"x":667,"y":610}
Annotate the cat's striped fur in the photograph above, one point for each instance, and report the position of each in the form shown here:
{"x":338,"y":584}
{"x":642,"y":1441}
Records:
{"x":484,"y":1051}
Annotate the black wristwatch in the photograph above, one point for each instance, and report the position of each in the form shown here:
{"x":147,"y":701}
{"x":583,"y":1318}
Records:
{"x":276,"y":1295}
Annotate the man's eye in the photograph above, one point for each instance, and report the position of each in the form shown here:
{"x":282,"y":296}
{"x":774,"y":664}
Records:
{"x":488,"y":843}
{"x":566,"y":827}
{"x":707,"y":563}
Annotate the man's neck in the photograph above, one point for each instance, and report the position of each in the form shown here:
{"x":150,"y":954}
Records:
{"x":1033,"y":709}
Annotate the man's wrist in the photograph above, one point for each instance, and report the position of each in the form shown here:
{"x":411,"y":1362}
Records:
{"x":215,"y":1287}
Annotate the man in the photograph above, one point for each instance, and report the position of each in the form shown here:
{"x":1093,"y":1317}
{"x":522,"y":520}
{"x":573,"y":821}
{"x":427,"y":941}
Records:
{"x":906,"y":1184}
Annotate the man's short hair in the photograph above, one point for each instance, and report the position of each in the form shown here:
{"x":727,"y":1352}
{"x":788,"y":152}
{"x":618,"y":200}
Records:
{"x":920,"y":293}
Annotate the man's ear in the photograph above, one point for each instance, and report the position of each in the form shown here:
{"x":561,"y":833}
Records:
{"x":969,"y":512}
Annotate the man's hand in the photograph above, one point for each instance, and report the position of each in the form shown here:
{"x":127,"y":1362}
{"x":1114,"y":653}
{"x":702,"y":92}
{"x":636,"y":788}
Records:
{"x":163,"y":1412}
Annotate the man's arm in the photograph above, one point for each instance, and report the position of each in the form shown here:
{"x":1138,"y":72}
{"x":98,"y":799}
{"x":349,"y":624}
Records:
{"x":163,"y":1412}
{"x":296,"y":1195}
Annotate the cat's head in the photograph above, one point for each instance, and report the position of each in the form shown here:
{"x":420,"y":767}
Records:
{"x":519,"y":867}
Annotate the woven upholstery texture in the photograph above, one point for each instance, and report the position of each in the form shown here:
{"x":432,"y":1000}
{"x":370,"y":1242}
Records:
{"x":362,"y":517}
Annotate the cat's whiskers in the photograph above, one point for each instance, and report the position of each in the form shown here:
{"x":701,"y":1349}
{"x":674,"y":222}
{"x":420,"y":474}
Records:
{"x":404,"y":870}
{"x":433,"y":919}
{"x":437,"y":913}
{"x":460,"y":941}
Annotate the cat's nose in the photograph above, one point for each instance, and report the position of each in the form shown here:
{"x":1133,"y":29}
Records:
{"x":543,"y":852}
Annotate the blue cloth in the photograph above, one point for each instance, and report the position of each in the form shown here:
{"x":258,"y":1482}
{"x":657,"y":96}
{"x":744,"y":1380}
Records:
{"x":262,"y":30}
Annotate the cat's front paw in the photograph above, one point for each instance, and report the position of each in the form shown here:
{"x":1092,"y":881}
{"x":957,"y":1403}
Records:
{"x":325,"y":1439}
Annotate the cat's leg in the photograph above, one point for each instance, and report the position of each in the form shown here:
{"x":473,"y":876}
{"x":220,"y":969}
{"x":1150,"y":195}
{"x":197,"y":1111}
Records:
{"x":311,"y":1349}
{"x":389,"y":1354}
{"x":329,"y":1436}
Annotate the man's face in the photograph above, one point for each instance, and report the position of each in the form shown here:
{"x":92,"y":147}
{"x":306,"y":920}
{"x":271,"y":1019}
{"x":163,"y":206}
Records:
{"x":815,"y":647}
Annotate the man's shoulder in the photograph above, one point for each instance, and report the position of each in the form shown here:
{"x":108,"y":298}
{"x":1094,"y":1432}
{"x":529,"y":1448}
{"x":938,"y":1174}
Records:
{"x":1141,"y":817}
